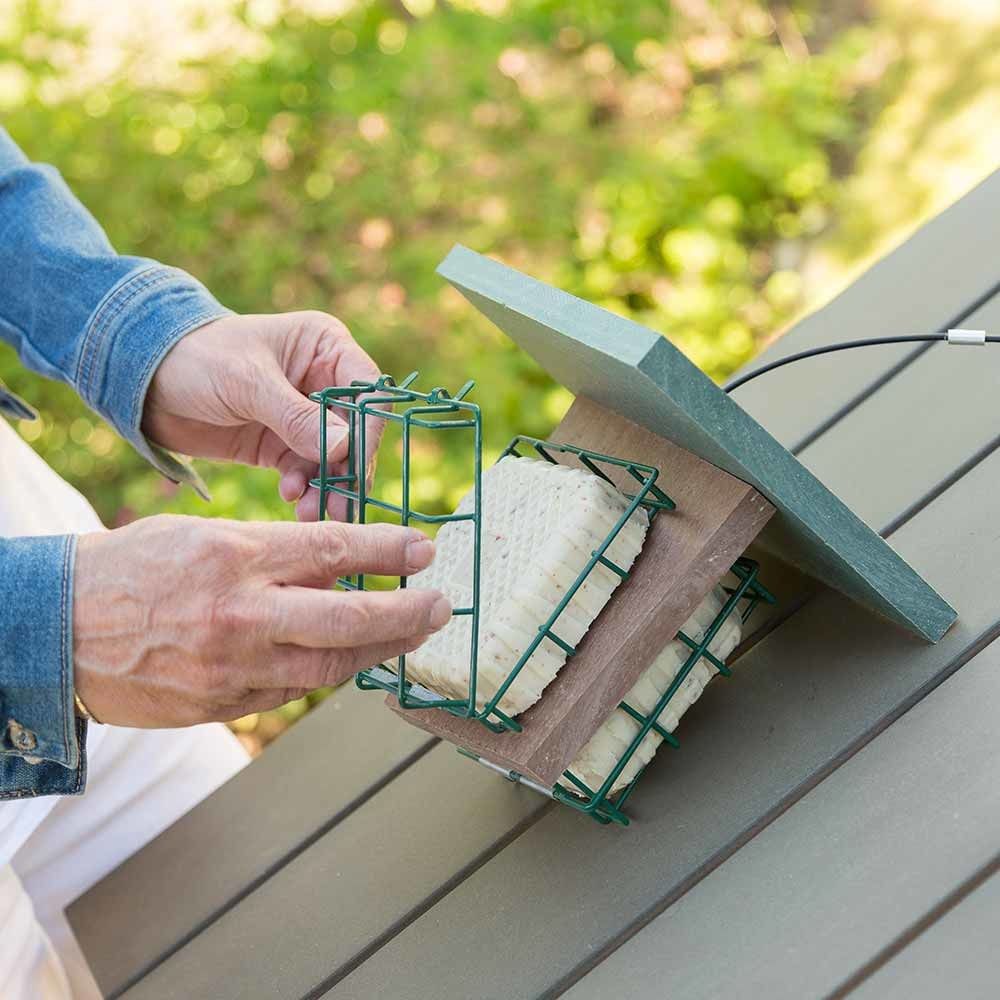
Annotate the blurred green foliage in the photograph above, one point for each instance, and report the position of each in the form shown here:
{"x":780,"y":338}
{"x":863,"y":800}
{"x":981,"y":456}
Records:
{"x":668,"y":161}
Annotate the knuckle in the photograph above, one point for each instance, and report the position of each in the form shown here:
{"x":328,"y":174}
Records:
{"x":319,"y":322}
{"x":333,"y":547}
{"x":421,"y":609}
{"x":353,"y":618}
{"x":388,"y":545}
{"x":230,"y":614}
{"x":216,"y":542}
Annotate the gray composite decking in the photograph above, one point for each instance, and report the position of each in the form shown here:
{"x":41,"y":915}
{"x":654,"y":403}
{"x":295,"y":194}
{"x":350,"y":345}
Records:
{"x":830,"y":821}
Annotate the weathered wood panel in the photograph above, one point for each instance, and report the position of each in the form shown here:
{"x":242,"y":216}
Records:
{"x":802,"y":701}
{"x":846,"y":870}
{"x":641,"y":375}
{"x":306,"y":782}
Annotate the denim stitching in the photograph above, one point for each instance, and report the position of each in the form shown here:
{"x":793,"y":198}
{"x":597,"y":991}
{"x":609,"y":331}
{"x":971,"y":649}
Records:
{"x":65,"y":625}
{"x":106,"y":309}
{"x":112,"y":317}
{"x":106,"y":312}
{"x":189,"y":324}
{"x":84,"y":361}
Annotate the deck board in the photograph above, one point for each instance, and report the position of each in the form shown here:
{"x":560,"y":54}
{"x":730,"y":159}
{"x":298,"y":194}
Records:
{"x":955,"y":956}
{"x":844,"y":871}
{"x":283,"y":784}
{"x":350,"y":887}
{"x":930,"y":282}
{"x":309,"y":779}
{"x":944,"y":405}
{"x":802,"y":701}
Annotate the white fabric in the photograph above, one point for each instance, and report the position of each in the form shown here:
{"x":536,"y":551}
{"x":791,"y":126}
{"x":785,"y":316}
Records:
{"x":139,"y":781}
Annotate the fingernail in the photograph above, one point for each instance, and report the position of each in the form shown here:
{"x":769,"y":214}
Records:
{"x":419,"y":552}
{"x":440,"y":613}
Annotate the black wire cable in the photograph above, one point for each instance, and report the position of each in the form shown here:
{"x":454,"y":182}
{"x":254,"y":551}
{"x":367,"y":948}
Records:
{"x":842,"y":346}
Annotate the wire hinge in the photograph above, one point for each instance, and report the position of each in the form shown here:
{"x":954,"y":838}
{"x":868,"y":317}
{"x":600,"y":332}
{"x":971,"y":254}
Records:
{"x":514,"y":776}
{"x":966,"y":336}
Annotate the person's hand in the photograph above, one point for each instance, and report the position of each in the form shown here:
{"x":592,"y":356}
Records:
{"x":181,"y":620}
{"x":236,"y":389}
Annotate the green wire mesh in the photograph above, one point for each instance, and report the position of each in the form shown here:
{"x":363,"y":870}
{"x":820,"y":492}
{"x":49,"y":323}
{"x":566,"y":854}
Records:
{"x":438,"y":410}
{"x":363,"y":401}
{"x":747,"y":593}
{"x":601,"y":804}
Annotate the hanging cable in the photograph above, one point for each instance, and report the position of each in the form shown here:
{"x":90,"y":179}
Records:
{"x":957,"y":336}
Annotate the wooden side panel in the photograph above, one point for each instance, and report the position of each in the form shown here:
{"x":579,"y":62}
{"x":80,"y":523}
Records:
{"x":845,"y":871}
{"x":347,"y":891}
{"x":308,"y":780}
{"x":686,"y":552}
{"x":802,"y":701}
{"x":955,"y":957}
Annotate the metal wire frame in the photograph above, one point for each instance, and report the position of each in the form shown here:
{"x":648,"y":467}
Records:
{"x":363,"y":400}
{"x":601,"y":804}
{"x":747,"y":594}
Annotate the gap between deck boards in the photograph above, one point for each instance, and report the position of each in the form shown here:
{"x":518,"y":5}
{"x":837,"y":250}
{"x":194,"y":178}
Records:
{"x":899,"y":944}
{"x":890,"y":373}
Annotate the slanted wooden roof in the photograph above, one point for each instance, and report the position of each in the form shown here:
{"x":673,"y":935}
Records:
{"x":637,"y":372}
{"x":830,"y":820}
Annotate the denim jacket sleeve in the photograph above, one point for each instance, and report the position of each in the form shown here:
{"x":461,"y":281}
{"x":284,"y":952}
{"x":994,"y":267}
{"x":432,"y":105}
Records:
{"x":78,"y":312}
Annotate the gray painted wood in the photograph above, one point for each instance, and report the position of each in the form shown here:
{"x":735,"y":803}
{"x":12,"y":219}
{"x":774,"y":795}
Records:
{"x":802,"y":700}
{"x":275,"y":807}
{"x":840,"y":875}
{"x":955,"y":957}
{"x":940,"y":443}
{"x":925,"y":284}
{"x":307,"y":780}
{"x":792,"y":408}
{"x":641,"y":375}
{"x":349,"y":888}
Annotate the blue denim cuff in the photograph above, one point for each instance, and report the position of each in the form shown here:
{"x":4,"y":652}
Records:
{"x":37,"y":718}
{"x":24,"y":778}
{"x":128,"y":335}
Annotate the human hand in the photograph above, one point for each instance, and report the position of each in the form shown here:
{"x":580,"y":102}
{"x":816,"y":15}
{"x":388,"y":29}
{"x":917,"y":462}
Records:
{"x":236,"y":389}
{"x":181,"y":620}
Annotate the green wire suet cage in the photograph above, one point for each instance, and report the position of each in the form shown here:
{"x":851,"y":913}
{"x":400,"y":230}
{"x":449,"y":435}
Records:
{"x":440,"y":411}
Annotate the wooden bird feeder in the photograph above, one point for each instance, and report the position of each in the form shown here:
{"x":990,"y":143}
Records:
{"x":730,"y":484}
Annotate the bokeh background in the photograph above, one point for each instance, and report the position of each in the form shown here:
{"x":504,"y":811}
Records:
{"x":711,"y":168}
